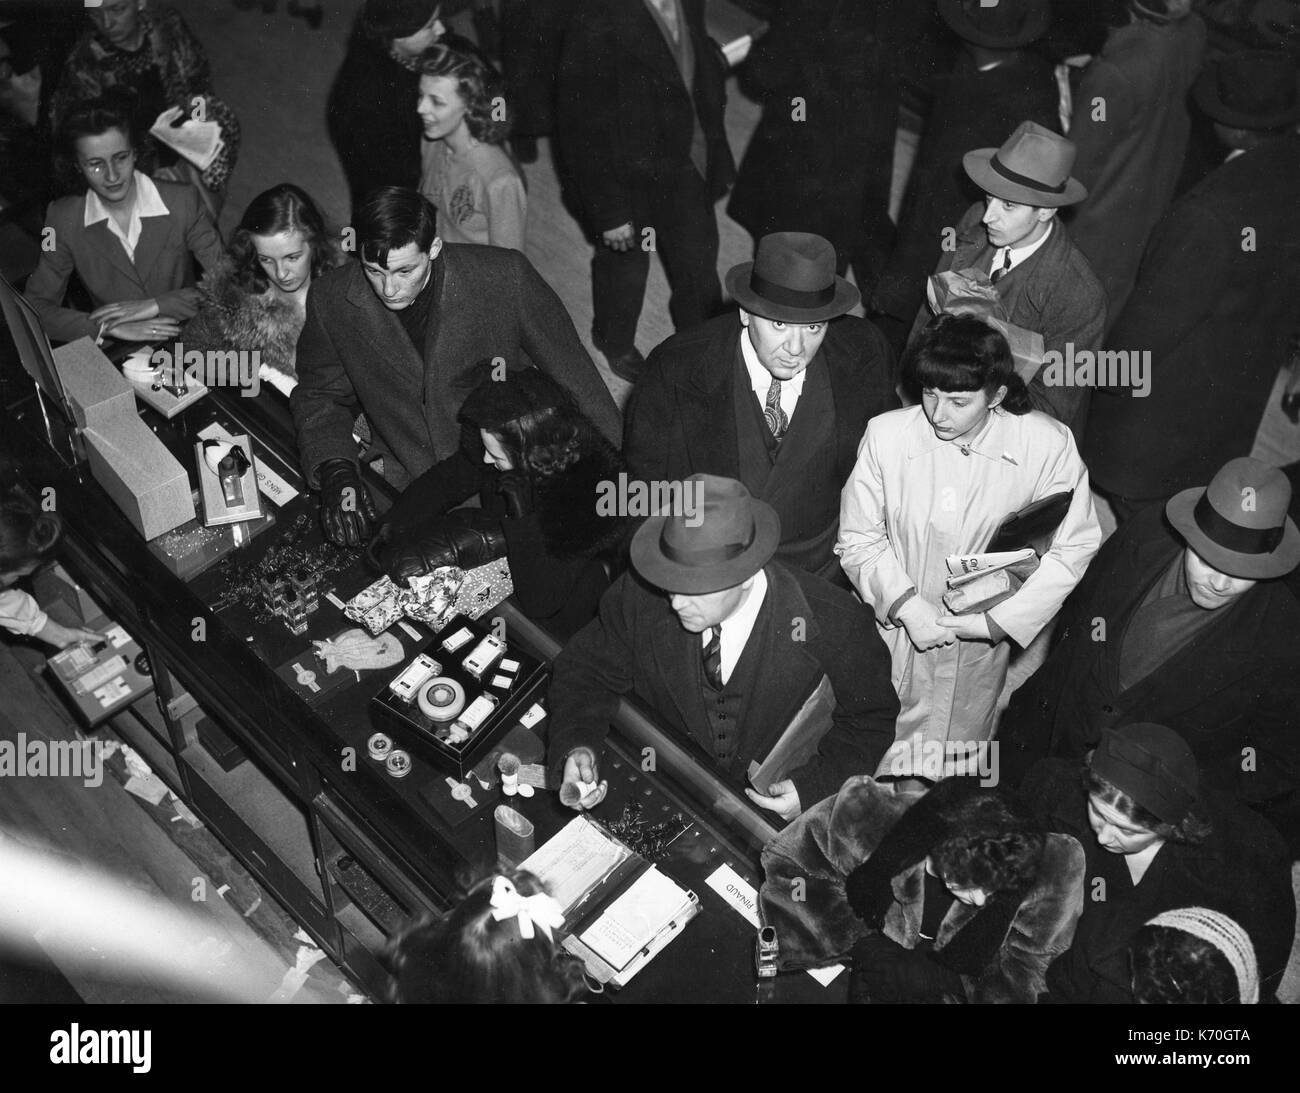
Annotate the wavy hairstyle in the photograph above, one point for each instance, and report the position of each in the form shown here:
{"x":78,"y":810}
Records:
{"x":282,"y":208}
{"x":28,"y":536}
{"x":479,"y":86}
{"x":963,"y":353}
{"x":466,"y":956}
{"x":92,"y":118}
{"x":1193,"y":828}
{"x":997,"y":845}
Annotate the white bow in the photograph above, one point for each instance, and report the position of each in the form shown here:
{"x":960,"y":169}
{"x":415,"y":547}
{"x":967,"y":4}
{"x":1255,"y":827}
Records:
{"x":541,"y":909}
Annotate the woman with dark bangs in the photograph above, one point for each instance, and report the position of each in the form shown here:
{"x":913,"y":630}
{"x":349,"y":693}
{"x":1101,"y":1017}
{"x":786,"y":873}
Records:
{"x":1155,"y":840}
{"x":258,"y":298}
{"x":465,"y":172}
{"x":954,"y":895}
{"x":537,"y":465}
{"x":936,"y":480}
{"x":500,"y":946}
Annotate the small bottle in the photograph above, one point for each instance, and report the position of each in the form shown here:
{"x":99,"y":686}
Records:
{"x":472,"y":718}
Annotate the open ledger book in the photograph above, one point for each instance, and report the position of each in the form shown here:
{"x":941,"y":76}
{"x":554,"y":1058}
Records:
{"x":619,"y":910}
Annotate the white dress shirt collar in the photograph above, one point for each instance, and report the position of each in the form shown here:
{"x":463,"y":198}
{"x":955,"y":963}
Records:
{"x":1019,"y":254}
{"x":148,"y":202}
{"x":760,"y":379}
{"x":737,"y":627}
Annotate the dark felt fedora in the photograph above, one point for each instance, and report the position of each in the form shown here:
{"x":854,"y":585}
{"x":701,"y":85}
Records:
{"x":792,"y":279}
{"x":1008,"y":24}
{"x":1152,"y":764}
{"x":1251,"y":89}
{"x":724,"y":540}
{"x":1032,"y":167}
{"x":1239,"y":523}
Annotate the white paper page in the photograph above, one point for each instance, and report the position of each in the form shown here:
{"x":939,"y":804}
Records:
{"x":633,"y":920}
{"x":575,"y":860}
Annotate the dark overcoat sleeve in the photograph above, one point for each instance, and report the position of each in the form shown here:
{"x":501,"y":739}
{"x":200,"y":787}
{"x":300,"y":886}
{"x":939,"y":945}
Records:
{"x":324,"y":403}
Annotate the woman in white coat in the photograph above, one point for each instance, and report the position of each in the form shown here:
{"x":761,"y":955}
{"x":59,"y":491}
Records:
{"x":935,"y":480}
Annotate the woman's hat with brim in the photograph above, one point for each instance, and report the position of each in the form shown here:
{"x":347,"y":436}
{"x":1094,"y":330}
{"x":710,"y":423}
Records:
{"x":715,"y":535}
{"x":1238,"y":523}
{"x":1032,"y":168}
{"x":1151,"y":764}
{"x":1009,"y":24}
{"x":792,"y":279}
{"x":1251,"y":89}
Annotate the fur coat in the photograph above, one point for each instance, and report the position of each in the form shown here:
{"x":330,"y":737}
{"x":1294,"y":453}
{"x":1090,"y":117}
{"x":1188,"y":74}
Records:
{"x":815,"y":924}
{"x":231,"y":318}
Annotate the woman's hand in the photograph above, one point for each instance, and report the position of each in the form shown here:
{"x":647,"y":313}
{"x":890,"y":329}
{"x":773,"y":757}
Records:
{"x":967,"y":627}
{"x":921,"y":619}
{"x":145,"y":330}
{"x":125,"y":311}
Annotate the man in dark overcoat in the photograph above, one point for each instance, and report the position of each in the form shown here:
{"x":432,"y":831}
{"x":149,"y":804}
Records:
{"x":706,"y":401}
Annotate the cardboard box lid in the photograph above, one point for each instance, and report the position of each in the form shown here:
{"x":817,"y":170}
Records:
{"x":91,"y":380}
{"x":137,"y":457}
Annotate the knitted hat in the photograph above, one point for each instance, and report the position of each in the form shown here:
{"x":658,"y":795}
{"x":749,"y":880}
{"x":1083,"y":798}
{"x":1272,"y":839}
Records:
{"x":1153,"y":765}
{"x":1226,"y":936}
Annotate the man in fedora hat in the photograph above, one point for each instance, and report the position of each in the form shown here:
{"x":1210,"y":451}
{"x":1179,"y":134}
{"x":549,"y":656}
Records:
{"x":1130,"y":125}
{"x":1215,"y":300}
{"x":1044,"y":281}
{"x":996,"y":82}
{"x":724,"y":645}
{"x":1184,"y":618}
{"x":777,"y":395}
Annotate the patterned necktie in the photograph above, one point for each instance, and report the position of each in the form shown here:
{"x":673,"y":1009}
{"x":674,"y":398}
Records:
{"x":998,"y":274}
{"x":775,"y":417}
{"x":713,"y":658}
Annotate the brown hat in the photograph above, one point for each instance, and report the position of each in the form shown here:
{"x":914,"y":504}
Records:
{"x":792,"y":279}
{"x":722,"y":537}
{"x":1153,"y":765}
{"x":1005,"y":25}
{"x":1032,"y":167}
{"x":1239,"y":522}
{"x":1251,"y":89}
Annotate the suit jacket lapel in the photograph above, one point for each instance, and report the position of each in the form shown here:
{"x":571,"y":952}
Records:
{"x":676,"y":656}
{"x":111,"y":247}
{"x":154,"y":231}
{"x":649,"y":44}
{"x":709,"y":401}
{"x":381,"y":327}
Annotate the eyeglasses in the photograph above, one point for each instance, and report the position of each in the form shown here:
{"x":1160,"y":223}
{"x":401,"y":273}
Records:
{"x":120,"y":162}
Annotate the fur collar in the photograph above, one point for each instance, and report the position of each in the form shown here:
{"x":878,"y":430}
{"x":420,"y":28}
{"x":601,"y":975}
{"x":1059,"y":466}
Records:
{"x":246,"y":321}
{"x":566,"y":507}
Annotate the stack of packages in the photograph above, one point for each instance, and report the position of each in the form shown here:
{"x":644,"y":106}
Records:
{"x":970,"y":292}
{"x":979,"y":581}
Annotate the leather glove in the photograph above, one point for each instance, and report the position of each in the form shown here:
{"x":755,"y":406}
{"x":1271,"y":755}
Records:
{"x":884,"y":971}
{"x":346,"y":511}
{"x":466,"y":538}
{"x":516,"y":488}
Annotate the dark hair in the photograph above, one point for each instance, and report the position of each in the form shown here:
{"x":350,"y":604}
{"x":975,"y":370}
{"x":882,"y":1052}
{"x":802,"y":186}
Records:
{"x":282,"y":208}
{"x":1192,"y":829}
{"x":548,"y":441}
{"x":27,"y":535}
{"x":479,"y":86}
{"x":90,"y":119}
{"x":466,"y":956}
{"x":963,"y":353}
{"x":1171,"y":966}
{"x":391,"y":218}
{"x":997,"y":846}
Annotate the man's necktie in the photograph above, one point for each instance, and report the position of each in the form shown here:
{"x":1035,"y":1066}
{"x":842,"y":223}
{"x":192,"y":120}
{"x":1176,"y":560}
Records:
{"x":775,"y":417}
{"x":713,"y":658}
{"x":998,"y":274}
